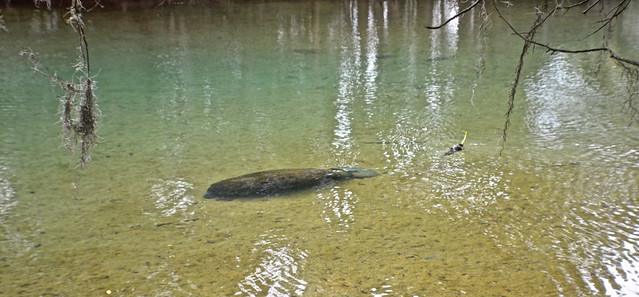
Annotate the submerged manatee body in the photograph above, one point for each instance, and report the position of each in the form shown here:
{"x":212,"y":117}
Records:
{"x":272,"y":182}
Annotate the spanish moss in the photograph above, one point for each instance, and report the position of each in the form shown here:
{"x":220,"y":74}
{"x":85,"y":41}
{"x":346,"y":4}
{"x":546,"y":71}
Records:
{"x":79,"y":113}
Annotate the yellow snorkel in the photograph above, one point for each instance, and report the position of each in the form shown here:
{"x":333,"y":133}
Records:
{"x":457,"y":147}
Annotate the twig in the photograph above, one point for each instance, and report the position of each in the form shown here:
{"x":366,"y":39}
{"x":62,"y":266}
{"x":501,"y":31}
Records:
{"x":617,"y":11}
{"x":590,"y":7}
{"x":455,"y":16}
{"x":576,"y":4}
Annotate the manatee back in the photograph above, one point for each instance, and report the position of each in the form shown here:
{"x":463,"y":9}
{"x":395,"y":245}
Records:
{"x":267,"y":183}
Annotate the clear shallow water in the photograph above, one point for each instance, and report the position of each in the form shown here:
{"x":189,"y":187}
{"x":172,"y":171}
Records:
{"x":192,"y":95}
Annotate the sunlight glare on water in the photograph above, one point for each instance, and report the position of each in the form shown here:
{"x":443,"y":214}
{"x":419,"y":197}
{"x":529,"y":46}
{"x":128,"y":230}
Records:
{"x":278,"y":274}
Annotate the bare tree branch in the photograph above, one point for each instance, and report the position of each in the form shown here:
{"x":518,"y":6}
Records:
{"x":576,"y":4}
{"x":590,"y":7}
{"x":455,"y":16}
{"x":618,"y":9}
{"x":551,"y":49}
{"x":631,"y":67}
{"x":524,"y":51}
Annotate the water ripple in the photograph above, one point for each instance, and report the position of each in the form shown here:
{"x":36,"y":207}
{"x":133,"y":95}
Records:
{"x":339,"y":206}
{"x":278,"y":273}
{"x":172,"y":196}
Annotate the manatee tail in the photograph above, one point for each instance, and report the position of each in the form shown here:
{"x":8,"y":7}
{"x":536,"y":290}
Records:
{"x":356,"y":172}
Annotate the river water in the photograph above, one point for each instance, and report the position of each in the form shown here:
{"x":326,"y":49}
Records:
{"x":191,"y":95}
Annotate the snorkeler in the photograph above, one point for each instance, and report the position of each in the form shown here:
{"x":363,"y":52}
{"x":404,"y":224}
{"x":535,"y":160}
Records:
{"x":458,"y":147}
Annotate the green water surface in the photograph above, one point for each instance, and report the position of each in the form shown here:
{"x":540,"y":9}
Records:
{"x":191,"y":95}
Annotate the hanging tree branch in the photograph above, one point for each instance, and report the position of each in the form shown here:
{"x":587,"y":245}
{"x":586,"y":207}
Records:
{"x":79,"y":112}
{"x":630,"y":73}
{"x":616,"y":11}
{"x":87,"y":125}
{"x":552,"y":50}
{"x":524,"y":51}
{"x":630,"y":66}
{"x":613,"y":55}
{"x":467,"y":9}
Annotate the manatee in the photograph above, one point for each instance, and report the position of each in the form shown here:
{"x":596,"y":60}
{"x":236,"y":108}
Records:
{"x":273,"y":182}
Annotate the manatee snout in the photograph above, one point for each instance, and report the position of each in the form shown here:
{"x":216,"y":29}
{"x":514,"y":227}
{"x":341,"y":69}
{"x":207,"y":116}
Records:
{"x":357,"y":172}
